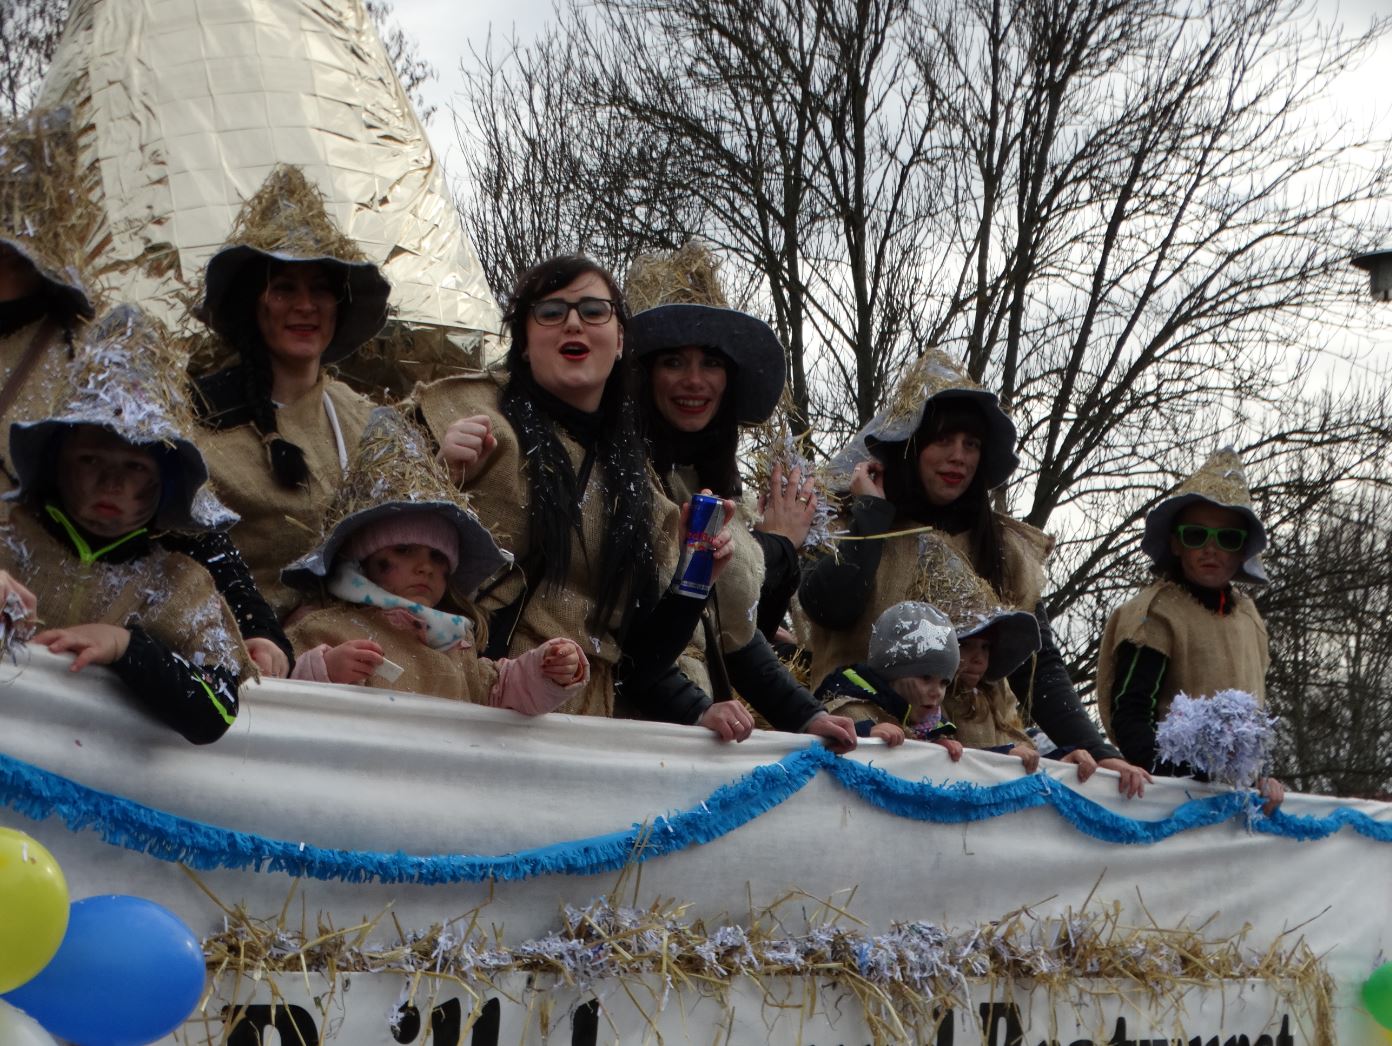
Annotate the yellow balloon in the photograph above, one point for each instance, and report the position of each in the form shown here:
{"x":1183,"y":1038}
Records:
{"x":33,"y":908}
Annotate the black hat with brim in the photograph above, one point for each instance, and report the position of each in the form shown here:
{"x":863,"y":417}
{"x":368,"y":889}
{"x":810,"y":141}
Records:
{"x":1160,"y":524}
{"x":1014,"y":638}
{"x":63,"y":285}
{"x":887,"y":442}
{"x":361,"y":314}
{"x":746,"y":341}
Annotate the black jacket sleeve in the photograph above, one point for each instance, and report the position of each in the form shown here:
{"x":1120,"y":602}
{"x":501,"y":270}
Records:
{"x":782,"y":572}
{"x":653,"y":641}
{"x":1042,"y":684}
{"x":1140,"y":670}
{"x":835,"y":588}
{"x":669,"y":697}
{"x":220,"y":557}
{"x":765,"y":682}
{"x":200,"y":703}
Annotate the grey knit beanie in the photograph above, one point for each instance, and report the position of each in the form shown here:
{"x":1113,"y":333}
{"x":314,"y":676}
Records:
{"x":913,"y":639}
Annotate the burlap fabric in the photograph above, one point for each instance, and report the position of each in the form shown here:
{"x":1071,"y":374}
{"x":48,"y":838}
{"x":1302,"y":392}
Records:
{"x":169,"y":595}
{"x":1207,"y":652}
{"x":735,"y":600}
{"x":460,"y":675}
{"x":899,"y":578}
{"x":499,"y":493}
{"x":280,"y":524}
{"x":986,"y":716}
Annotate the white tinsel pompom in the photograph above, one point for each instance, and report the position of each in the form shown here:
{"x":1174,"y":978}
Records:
{"x":1227,"y":736}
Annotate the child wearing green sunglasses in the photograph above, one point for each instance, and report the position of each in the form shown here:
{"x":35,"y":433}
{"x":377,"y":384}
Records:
{"x":1190,"y":631}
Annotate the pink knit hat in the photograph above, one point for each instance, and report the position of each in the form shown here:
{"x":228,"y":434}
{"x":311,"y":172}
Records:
{"x":406,"y":528}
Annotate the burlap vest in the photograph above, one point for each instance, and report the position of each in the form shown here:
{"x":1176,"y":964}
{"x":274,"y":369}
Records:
{"x":169,"y":595}
{"x":500,"y":494}
{"x":37,"y":394}
{"x":280,"y":524}
{"x":986,"y":716}
{"x":456,"y":674}
{"x":735,"y":600}
{"x":1025,"y":550}
{"x":1207,"y":652}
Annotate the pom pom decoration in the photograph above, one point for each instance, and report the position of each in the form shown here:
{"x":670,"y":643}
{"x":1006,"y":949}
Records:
{"x":1226,"y":736}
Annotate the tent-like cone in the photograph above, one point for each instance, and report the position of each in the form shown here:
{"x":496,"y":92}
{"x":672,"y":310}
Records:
{"x":947,"y":580}
{"x":1220,"y":481}
{"x":394,"y":473}
{"x":933,"y":377}
{"x":677,"y":302}
{"x":189,"y":107}
{"x":286,"y":221}
{"x":127,"y":379}
{"x":47,"y":214}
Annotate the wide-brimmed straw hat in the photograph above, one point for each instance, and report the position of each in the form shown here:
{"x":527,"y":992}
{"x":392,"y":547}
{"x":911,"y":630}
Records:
{"x":287,"y":221}
{"x":127,"y":378}
{"x":394,"y":474}
{"x":677,"y":303}
{"x":1220,"y":481}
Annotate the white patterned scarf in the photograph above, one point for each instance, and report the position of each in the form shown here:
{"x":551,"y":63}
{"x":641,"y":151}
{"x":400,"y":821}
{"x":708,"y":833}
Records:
{"x":442,"y":630}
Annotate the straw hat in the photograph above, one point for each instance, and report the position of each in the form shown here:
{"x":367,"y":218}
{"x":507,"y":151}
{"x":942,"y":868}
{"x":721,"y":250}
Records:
{"x":933,"y":378}
{"x":682,"y":305}
{"x":394,"y":475}
{"x":128,"y":379}
{"x":287,"y":220}
{"x":1222,"y":482}
{"x":46,"y":212}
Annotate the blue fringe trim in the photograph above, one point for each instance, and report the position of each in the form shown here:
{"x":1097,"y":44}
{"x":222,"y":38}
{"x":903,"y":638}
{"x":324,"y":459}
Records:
{"x":38,"y":794}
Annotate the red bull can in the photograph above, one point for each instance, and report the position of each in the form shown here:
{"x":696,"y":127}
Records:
{"x":698,"y":559}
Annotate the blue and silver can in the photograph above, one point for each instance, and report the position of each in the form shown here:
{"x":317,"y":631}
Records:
{"x":698,"y":559}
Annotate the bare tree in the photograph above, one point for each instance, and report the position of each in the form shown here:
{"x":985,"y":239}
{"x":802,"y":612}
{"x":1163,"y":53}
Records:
{"x":412,"y":70}
{"x":29,"y":33}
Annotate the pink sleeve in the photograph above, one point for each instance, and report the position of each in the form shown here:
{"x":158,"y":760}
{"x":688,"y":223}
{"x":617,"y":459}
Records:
{"x":312,"y":666}
{"x":522,"y":687}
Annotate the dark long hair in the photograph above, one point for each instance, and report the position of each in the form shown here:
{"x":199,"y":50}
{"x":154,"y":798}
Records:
{"x":972,"y":511}
{"x":619,"y":452}
{"x":712,"y":451}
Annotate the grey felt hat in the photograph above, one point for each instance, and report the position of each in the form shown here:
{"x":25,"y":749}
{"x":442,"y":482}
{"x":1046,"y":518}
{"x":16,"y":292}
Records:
{"x":746,"y":341}
{"x":933,"y":378}
{"x":1221,"y":482}
{"x":126,"y":378}
{"x":286,"y":221}
{"x":913,"y":639}
{"x":393,"y":474}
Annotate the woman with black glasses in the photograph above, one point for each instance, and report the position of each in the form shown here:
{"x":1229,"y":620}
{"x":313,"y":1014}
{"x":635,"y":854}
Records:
{"x":554,"y":466}
{"x":1190,"y":631}
{"x":287,"y":294}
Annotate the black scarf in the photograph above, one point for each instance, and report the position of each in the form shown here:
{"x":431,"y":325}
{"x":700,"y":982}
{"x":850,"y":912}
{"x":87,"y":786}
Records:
{"x":19,"y":313}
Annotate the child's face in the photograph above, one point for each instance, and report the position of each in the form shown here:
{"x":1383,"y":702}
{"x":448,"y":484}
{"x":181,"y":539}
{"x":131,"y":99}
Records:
{"x":976,"y":657}
{"x":415,"y":572}
{"x":924,"y":693}
{"x":106,"y":485}
{"x":1208,"y":566}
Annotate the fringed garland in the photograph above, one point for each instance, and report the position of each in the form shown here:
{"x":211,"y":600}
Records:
{"x":38,"y":793}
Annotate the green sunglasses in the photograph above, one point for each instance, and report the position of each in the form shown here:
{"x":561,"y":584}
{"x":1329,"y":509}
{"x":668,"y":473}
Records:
{"x":1229,"y":539}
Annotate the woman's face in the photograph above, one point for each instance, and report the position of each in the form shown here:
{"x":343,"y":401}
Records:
{"x":573,"y":359}
{"x":1208,"y":566}
{"x":297,"y":312}
{"x":947,"y":465}
{"x":687,"y":386}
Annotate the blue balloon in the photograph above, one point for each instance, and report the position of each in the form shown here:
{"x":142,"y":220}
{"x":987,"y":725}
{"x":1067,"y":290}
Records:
{"x":127,"y":973}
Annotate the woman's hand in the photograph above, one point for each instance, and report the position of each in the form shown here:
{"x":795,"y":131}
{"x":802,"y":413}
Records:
{"x":1274,"y":791}
{"x":722,"y":545}
{"x":838,"y":730}
{"x":353,"y":661}
{"x":1083,"y":760}
{"x":727,"y":720}
{"x":891,"y":734}
{"x":94,"y":644}
{"x":561,"y":662}
{"x":788,"y":508}
{"x":954,"y":748}
{"x":268,"y":658}
{"x":9,"y":586}
{"x":1027,"y":755}
{"x":466,"y":445}
{"x":867,"y":479}
{"x":1133,"y":778}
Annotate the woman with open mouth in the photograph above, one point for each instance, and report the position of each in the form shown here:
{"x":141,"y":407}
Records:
{"x":927,"y":463}
{"x":287,"y":294}
{"x":549,"y":452}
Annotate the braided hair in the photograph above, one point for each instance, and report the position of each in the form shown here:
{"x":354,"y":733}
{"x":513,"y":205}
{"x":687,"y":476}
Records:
{"x":619,"y":452}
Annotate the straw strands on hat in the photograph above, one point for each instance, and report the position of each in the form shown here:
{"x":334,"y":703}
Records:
{"x":690,"y":275}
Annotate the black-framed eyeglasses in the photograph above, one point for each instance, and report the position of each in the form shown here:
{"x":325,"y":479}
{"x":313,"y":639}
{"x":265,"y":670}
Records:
{"x":552,"y":312}
{"x":1193,"y":536}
